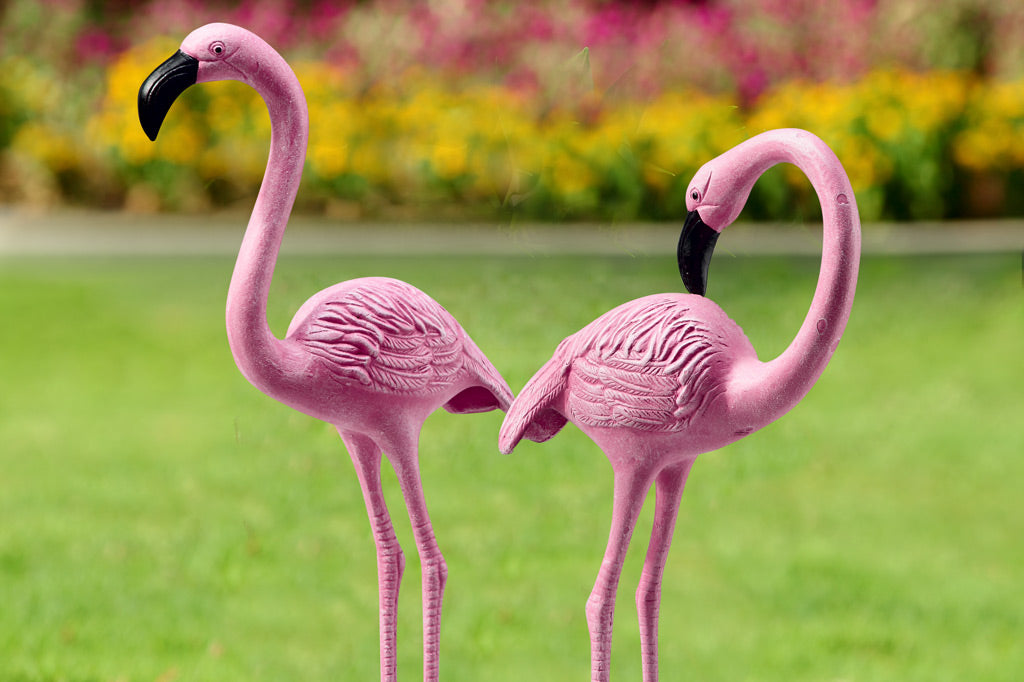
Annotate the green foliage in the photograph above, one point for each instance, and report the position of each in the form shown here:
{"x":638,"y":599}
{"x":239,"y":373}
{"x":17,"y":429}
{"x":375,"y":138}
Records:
{"x":491,"y":109}
{"x":163,"y":520}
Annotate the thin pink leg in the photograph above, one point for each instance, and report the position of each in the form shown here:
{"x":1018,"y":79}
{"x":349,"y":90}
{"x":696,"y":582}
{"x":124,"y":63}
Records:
{"x":669,"y":491}
{"x":435,"y":570}
{"x":630,"y":490}
{"x":390,"y":561}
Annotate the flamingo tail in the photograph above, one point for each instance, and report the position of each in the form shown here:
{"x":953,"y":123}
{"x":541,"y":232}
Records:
{"x":491,"y":393}
{"x":532,"y":415}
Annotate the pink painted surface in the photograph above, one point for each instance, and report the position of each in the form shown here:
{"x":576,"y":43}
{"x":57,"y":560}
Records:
{"x":659,"y":380}
{"x":372,"y":356}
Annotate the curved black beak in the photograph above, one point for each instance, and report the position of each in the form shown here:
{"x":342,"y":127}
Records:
{"x":696,"y":245}
{"x":162,"y":87}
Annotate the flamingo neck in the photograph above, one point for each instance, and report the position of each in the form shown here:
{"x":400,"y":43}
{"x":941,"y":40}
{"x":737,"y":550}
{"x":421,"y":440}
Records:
{"x":779,"y":384}
{"x":258,"y":353}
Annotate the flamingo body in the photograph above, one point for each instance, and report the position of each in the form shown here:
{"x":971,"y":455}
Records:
{"x":372,"y":356}
{"x":657,"y":381}
{"x":660,"y":364}
{"x":383,"y":339}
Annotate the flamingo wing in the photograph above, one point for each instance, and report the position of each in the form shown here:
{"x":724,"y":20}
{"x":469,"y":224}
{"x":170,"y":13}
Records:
{"x":385,"y":335}
{"x":648,"y":365}
{"x":613,"y":392}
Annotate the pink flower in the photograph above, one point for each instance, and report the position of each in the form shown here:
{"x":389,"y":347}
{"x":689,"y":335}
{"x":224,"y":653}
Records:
{"x":93,"y":45}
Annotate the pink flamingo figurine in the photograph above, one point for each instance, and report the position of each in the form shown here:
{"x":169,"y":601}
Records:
{"x":659,"y":380}
{"x":373,"y":356}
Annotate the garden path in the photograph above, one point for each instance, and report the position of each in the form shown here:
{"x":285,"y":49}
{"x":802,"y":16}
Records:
{"x":25,"y":233}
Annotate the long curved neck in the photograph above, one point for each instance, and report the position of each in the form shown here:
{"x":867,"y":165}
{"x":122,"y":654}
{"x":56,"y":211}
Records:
{"x":780,"y":383}
{"x":259,"y":354}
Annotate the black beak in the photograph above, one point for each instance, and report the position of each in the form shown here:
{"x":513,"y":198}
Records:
{"x":162,"y":87}
{"x":696,"y":244}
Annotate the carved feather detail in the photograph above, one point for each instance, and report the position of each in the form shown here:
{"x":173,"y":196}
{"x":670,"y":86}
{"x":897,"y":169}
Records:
{"x":386,"y":336}
{"x":648,"y":366}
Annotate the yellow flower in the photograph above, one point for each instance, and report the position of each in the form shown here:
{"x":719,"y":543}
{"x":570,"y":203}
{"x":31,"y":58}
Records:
{"x":449,"y":159}
{"x":56,"y":149}
{"x":569,"y":175}
{"x":414,"y":127}
{"x":864,"y":162}
{"x":887,"y":122}
{"x":992,"y":139}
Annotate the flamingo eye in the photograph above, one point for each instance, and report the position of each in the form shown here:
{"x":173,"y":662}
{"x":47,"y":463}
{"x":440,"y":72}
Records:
{"x":695,"y":195}
{"x":217,"y":48}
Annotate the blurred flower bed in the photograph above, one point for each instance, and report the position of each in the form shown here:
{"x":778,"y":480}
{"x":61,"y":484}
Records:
{"x":466,"y":108}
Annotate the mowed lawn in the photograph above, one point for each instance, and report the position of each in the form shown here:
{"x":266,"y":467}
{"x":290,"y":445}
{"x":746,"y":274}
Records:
{"x":162,"y":520}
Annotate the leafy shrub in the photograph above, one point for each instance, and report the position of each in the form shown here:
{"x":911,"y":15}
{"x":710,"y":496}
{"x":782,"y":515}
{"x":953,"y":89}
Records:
{"x":481,"y":108}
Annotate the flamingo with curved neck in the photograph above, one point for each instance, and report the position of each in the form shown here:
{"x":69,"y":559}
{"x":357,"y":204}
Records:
{"x":657,"y":381}
{"x":372,"y":356}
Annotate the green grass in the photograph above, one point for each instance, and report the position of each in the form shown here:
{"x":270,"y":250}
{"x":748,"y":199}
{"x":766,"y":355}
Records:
{"x":162,"y":520}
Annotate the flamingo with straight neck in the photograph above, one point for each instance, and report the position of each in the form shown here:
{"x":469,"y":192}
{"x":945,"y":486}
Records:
{"x":657,"y":381}
{"x":372,"y":356}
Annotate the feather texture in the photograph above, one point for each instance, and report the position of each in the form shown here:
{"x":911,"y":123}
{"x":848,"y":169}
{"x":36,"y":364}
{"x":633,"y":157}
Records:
{"x":389,"y":336}
{"x":648,"y":364}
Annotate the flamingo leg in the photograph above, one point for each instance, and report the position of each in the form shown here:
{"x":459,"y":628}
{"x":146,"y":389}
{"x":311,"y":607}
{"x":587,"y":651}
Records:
{"x":630,"y":490}
{"x":668,"y":493}
{"x":435,"y":570}
{"x":366,"y":457}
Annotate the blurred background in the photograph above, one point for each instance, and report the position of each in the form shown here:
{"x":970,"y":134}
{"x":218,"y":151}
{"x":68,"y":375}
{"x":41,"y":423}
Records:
{"x":161,"y":520}
{"x":592,"y":109}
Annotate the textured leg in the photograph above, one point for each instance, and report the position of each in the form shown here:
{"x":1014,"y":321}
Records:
{"x":366,"y":457}
{"x":435,"y":571}
{"x":630,"y":490}
{"x":669,"y":491}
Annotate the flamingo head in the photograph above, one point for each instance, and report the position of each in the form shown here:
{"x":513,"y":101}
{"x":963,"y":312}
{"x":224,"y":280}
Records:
{"x":210,"y":53}
{"x":713,"y":203}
